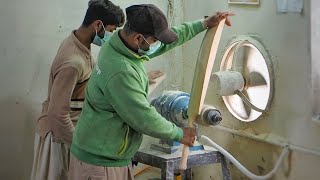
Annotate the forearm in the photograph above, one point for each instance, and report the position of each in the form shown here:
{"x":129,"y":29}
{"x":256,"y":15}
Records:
{"x":62,"y":127}
{"x":59,"y":105}
{"x":185,"y":32}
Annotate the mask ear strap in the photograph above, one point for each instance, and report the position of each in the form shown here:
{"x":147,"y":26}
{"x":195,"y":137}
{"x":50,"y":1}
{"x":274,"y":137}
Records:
{"x":138,"y":45}
{"x":139,"y":41}
{"x":145,"y":40}
{"x":103,"y":26}
{"x":96,"y":29}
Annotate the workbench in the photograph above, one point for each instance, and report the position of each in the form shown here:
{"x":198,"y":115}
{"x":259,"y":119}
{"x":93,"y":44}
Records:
{"x":168,"y":163}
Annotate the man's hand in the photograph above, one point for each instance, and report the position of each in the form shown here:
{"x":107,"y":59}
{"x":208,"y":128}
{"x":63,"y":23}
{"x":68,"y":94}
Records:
{"x":189,"y":136}
{"x":152,"y":75}
{"x":214,"y":20}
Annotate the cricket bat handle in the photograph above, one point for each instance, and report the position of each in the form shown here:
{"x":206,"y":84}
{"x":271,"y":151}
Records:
{"x":184,"y":158}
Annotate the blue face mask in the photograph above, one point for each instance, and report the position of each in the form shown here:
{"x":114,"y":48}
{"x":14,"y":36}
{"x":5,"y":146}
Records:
{"x":152,"y":48}
{"x":100,"y":41}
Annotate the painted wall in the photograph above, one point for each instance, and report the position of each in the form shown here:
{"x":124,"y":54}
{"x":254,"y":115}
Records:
{"x":30,"y":37}
{"x":287,"y":38}
{"x":31,"y":32}
{"x":315,"y":54}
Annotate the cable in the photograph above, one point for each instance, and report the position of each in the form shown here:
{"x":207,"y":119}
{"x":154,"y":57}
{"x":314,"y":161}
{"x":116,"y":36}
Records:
{"x":171,"y":12}
{"x":266,"y":139}
{"x":244,"y":170}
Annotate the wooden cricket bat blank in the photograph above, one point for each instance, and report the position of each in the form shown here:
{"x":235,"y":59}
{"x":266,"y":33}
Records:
{"x":201,"y":79}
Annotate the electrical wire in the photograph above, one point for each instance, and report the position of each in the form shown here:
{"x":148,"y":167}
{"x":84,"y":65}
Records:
{"x":244,"y":170}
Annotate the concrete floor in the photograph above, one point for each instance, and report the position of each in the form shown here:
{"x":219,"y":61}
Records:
{"x":144,"y":172}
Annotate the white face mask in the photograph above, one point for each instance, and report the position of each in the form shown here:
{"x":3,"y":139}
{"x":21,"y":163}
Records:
{"x":152,"y":48}
{"x":100,"y":41}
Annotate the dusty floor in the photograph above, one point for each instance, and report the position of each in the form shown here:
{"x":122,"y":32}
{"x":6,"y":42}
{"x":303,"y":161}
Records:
{"x":144,"y":172}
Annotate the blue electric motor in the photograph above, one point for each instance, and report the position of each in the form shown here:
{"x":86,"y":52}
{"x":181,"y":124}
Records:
{"x":173,"y":106}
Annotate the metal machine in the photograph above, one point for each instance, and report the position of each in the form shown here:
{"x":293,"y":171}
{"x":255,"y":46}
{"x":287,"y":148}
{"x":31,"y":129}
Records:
{"x":173,"y":106}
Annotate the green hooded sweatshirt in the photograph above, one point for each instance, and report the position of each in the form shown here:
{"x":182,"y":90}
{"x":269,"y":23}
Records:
{"x":116,"y":112}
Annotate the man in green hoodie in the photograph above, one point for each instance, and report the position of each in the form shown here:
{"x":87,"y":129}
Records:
{"x":116,"y":112}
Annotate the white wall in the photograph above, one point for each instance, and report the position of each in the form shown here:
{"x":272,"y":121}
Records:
{"x":315,"y":55}
{"x":31,"y":32}
{"x":287,"y":39}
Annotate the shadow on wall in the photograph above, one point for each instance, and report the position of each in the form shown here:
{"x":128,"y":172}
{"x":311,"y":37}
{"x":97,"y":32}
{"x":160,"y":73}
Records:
{"x":17,"y":136}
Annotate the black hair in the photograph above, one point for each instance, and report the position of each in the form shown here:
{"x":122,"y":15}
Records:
{"x":105,"y":11}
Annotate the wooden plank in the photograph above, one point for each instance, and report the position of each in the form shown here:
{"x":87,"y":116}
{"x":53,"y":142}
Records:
{"x":206,"y":58}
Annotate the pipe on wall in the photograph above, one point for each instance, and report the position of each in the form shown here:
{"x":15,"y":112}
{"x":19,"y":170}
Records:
{"x":269,"y":140}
